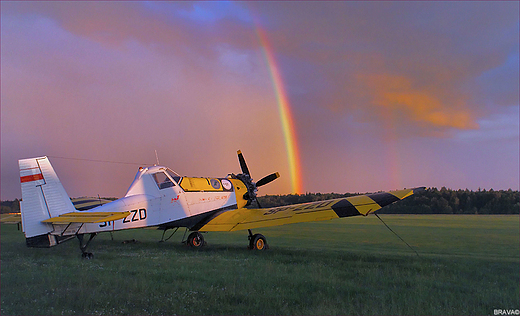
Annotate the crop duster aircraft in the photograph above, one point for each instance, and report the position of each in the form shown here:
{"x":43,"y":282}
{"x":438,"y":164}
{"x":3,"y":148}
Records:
{"x":159,"y":197}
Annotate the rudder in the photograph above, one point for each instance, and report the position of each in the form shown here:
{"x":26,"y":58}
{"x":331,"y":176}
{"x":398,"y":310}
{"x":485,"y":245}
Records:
{"x":43,"y":197}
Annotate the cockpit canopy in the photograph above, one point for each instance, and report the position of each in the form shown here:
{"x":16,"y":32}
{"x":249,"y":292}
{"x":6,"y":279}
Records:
{"x":163,"y":179}
{"x":152,"y":180}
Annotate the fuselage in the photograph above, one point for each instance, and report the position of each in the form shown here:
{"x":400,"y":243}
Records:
{"x":158,"y":197}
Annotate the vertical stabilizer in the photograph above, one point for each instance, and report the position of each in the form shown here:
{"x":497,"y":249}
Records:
{"x":43,"y":197}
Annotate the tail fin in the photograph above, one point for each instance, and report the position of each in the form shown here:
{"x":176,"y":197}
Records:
{"x":43,"y":197}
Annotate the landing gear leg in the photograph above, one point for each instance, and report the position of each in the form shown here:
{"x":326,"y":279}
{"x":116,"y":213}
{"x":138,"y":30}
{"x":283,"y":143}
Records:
{"x":83,"y":247}
{"x":257,"y":241}
{"x":164,"y":231}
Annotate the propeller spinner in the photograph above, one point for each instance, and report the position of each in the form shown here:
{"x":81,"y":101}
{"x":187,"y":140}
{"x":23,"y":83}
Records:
{"x":252,"y":187}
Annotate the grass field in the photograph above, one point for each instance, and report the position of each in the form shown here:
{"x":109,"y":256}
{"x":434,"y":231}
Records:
{"x":468,"y":265}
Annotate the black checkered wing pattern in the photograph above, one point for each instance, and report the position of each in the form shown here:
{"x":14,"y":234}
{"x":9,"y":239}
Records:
{"x":243,"y":218}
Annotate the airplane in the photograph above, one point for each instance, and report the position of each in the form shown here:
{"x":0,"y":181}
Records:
{"x":159,"y":197}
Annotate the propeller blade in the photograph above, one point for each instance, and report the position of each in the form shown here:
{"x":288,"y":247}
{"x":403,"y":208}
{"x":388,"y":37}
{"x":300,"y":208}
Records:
{"x":243,"y":164}
{"x":265,"y":180}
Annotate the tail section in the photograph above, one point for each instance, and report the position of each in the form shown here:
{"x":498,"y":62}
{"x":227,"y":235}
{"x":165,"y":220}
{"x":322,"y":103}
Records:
{"x":43,"y":197}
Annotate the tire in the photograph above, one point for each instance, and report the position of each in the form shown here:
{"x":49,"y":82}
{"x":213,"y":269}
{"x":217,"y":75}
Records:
{"x":258,"y":242}
{"x":87,"y":255}
{"x":195,"y":240}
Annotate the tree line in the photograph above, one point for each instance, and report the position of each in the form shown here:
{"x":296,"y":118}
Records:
{"x":430,"y":201}
{"x":10,"y":206}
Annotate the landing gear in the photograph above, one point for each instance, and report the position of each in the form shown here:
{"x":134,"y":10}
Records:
{"x":195,"y":240}
{"x":83,"y":247}
{"x":257,"y":241}
{"x":87,"y":255}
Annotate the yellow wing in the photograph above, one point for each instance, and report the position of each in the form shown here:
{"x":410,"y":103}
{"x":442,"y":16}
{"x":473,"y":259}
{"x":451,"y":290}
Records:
{"x":11,"y":218}
{"x":243,"y":218}
{"x":81,"y":204}
{"x":87,"y":217}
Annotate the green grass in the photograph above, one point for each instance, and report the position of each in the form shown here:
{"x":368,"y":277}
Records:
{"x":468,"y":265}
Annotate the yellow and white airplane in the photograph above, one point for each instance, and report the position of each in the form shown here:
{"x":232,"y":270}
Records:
{"x":159,"y":197}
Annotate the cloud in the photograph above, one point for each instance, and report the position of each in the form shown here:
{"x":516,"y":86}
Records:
{"x":498,"y":127}
{"x":76,"y":96}
{"x":117,"y":80}
{"x":395,"y":94}
{"x":419,"y":61}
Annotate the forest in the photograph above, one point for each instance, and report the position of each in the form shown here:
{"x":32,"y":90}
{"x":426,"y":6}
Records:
{"x":430,"y":201}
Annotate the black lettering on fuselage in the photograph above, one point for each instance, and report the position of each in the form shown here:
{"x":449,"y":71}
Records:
{"x":105,"y":224}
{"x":136,"y":215}
{"x":142,"y":213}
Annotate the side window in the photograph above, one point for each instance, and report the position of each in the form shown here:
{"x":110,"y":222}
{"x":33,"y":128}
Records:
{"x":162,"y":180}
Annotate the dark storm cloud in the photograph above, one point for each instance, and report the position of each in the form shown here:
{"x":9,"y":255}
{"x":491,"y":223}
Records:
{"x":117,"y":80}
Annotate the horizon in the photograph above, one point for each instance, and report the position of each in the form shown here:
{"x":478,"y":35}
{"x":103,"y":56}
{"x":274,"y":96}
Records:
{"x":305,"y":193}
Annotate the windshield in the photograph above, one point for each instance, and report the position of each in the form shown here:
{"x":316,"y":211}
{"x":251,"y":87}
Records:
{"x":173,"y":175}
{"x":162,"y":180}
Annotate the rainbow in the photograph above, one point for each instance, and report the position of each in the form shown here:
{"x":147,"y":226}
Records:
{"x":284,"y":110}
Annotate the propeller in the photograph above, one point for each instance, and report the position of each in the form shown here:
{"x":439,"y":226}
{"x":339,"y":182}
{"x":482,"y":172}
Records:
{"x":265,"y":180}
{"x":243,"y":164}
{"x":252,"y":187}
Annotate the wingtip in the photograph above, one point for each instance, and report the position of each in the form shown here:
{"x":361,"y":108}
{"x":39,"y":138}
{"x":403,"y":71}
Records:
{"x":418,"y":190}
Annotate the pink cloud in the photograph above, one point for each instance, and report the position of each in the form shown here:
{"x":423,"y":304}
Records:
{"x":117,"y":80}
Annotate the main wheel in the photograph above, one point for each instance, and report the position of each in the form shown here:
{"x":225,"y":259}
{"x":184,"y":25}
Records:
{"x":258,"y":242}
{"x":195,"y":240}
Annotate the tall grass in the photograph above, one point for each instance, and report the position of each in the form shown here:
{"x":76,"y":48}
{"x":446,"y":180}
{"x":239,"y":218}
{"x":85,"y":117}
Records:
{"x":468,"y":265}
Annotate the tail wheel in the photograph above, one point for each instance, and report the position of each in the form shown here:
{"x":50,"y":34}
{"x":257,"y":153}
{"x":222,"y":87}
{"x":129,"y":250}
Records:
{"x":258,"y":242}
{"x":87,"y":255}
{"x":195,"y":240}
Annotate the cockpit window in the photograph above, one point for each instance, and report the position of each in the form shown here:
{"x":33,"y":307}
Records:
{"x":175,"y":177}
{"x":162,"y":180}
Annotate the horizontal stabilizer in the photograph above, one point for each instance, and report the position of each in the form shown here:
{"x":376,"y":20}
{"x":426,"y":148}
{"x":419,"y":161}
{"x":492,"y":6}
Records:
{"x":87,"y":217}
{"x":11,"y":218}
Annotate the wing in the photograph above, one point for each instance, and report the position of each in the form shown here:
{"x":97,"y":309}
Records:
{"x":11,"y":218}
{"x":87,"y":217}
{"x":243,"y":218}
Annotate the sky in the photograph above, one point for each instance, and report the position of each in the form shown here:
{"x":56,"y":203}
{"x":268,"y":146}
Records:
{"x":335,"y":96}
